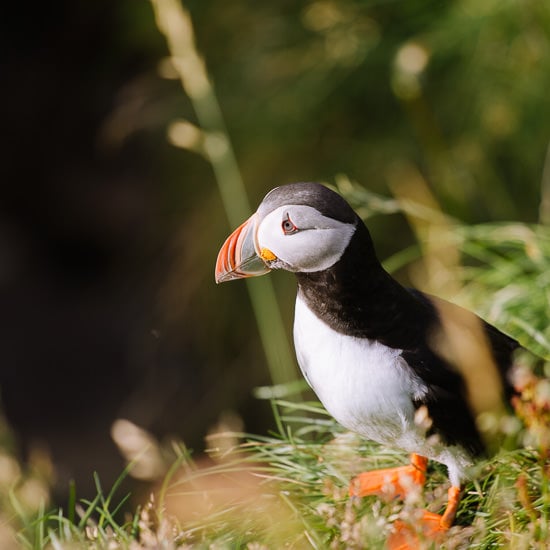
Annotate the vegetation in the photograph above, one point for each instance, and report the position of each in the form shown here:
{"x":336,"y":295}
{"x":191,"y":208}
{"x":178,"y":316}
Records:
{"x":289,"y":488}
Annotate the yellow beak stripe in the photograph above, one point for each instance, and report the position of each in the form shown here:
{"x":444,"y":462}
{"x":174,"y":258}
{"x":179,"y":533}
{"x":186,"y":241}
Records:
{"x":267,"y":255}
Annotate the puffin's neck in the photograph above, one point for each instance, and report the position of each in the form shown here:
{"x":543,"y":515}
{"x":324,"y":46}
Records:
{"x":357,"y":297}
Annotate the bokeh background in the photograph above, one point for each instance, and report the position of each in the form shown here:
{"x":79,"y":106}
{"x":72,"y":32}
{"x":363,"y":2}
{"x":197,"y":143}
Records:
{"x":109,"y":232}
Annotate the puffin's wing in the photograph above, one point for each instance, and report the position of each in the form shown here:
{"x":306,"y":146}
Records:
{"x":465,"y":363}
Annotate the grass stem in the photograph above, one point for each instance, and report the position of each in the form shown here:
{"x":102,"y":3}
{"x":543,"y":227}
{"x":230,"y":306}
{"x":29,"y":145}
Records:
{"x":175,"y":23}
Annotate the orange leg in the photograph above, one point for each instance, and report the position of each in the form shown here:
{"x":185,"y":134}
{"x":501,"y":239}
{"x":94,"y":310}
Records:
{"x":390,"y":482}
{"x":431,"y":526}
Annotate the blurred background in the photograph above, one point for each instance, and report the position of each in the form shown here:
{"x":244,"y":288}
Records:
{"x":109,"y":233}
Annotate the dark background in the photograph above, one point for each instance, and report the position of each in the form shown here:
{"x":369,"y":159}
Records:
{"x":108,"y":234}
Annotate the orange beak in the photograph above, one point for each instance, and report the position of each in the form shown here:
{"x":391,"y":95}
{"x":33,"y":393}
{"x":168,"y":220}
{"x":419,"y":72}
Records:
{"x":237,"y":257}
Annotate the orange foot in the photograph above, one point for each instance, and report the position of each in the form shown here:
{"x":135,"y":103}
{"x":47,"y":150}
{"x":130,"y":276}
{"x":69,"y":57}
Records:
{"x":431,"y":527}
{"x":390,"y":482}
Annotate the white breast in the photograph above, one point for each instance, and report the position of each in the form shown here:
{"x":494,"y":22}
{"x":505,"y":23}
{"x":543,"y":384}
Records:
{"x":365,"y":385}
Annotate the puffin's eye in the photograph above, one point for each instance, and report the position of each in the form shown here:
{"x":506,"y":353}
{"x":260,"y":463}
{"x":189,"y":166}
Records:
{"x":288,"y":227}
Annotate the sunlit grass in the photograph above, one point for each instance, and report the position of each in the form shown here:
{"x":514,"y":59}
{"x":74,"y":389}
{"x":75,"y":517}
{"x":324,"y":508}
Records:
{"x":289,"y":489}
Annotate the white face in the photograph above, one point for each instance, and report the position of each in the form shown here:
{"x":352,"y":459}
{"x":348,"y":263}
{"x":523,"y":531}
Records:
{"x":302,"y":239}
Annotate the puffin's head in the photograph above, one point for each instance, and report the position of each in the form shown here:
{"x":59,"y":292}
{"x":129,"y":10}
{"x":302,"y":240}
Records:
{"x":301,"y":227}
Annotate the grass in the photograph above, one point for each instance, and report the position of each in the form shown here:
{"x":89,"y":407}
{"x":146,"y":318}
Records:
{"x":213,"y":143}
{"x":289,"y":490}
{"x":302,"y":475}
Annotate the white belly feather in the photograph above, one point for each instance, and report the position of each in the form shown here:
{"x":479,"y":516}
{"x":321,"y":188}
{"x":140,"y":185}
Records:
{"x":365,"y":385}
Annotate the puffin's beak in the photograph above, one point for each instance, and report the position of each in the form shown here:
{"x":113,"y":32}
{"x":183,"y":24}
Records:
{"x":237,"y":257}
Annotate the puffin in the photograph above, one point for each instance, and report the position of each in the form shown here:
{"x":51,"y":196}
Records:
{"x":396,"y":365}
